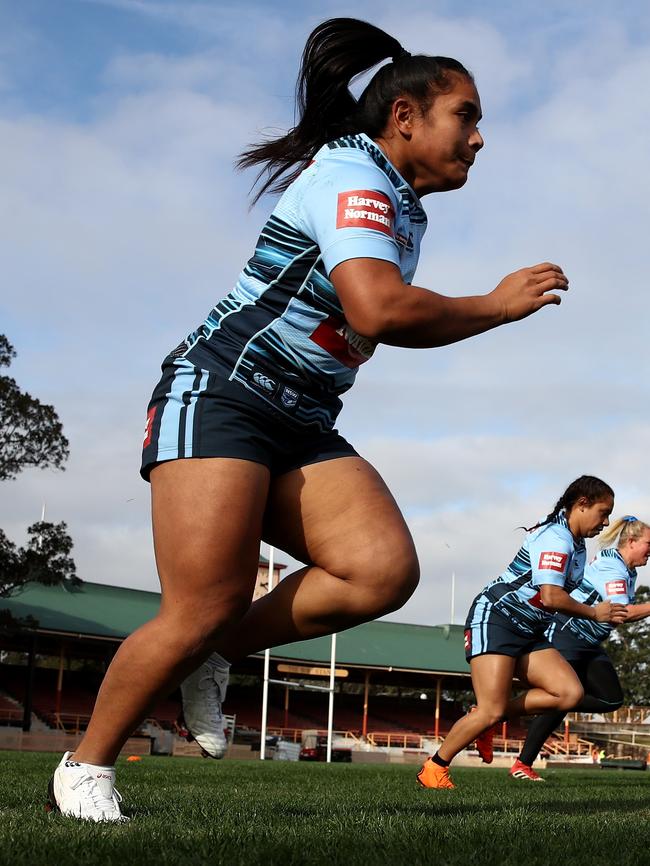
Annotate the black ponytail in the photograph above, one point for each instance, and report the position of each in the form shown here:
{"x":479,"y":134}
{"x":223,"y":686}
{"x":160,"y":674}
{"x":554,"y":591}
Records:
{"x":336,"y":52}
{"x":587,"y":486}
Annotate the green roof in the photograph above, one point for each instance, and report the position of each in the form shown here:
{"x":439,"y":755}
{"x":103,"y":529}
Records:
{"x":98,"y":610}
{"x":382,"y":644}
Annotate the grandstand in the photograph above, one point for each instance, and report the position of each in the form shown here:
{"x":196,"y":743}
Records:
{"x":395,"y":683}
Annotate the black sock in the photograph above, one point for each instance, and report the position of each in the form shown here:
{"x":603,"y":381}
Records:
{"x":439,"y":761}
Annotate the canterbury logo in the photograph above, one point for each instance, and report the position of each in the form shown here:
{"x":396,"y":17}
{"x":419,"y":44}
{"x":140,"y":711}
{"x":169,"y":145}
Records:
{"x":264,"y":382}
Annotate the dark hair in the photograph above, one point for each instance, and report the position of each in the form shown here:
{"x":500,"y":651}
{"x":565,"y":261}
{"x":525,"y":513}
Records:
{"x":336,"y":51}
{"x":587,"y":486}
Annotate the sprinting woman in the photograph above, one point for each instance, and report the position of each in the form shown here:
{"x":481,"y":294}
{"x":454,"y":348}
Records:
{"x":625,"y":546}
{"x":505,"y":629}
{"x":240,"y":443}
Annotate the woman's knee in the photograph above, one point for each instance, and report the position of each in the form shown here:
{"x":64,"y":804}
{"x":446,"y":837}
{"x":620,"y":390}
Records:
{"x":492,"y":714}
{"x":389,"y":583}
{"x":197,"y":626}
{"x":612,"y":702}
{"x":570,"y":696}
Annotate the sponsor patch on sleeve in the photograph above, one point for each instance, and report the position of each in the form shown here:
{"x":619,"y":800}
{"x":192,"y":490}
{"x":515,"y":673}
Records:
{"x":468,"y":639}
{"x":551,"y":560}
{"x":367,"y":209}
{"x":616,"y":587}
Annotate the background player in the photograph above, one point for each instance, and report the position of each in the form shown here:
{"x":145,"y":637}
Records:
{"x":506,"y":624}
{"x":610,"y":577}
{"x":240,"y":442}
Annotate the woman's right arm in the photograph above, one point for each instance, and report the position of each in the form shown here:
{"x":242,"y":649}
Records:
{"x":555,"y":598}
{"x":380,"y":306}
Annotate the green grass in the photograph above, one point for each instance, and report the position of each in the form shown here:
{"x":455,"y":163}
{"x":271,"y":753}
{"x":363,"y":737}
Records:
{"x":204,"y":812}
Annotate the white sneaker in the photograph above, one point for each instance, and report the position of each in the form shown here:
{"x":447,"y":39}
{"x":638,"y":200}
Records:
{"x":203,"y":692}
{"x":84,"y":791}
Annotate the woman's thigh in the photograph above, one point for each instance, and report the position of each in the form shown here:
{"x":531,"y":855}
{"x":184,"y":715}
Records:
{"x":339,"y":515}
{"x":492,"y":676}
{"x":207,"y":524}
{"x":548,"y":670}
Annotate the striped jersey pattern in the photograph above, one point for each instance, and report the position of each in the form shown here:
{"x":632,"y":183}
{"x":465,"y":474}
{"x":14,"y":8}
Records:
{"x":282,"y":325}
{"x":606,"y":578}
{"x":549,"y":555}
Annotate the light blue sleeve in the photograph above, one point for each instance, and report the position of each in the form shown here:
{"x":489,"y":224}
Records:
{"x":550,"y":555}
{"x":608,"y":575}
{"x":348,"y":207}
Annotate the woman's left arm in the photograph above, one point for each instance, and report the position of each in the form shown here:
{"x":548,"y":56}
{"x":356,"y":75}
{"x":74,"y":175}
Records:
{"x":636,"y":612}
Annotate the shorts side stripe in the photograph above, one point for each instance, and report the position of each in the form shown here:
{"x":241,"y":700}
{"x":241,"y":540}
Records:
{"x":478,"y":621}
{"x":200,"y":384}
{"x":171,"y":414}
{"x":484,"y":625}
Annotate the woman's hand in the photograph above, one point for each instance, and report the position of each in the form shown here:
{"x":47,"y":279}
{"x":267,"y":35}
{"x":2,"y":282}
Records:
{"x":381,"y":307}
{"x":529,"y":289}
{"x":607,"y":611}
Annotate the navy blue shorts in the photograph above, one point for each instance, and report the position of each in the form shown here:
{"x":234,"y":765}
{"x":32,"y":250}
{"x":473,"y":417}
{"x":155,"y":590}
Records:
{"x":488,"y":631}
{"x":201,"y":413}
{"x":572,"y":647}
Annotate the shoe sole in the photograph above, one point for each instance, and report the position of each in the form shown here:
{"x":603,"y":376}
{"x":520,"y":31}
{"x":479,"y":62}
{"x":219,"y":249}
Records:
{"x":184,"y":732}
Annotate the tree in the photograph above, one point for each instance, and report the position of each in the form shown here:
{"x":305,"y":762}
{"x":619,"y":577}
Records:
{"x":44,"y":559}
{"x":629,"y":650}
{"x":30,"y":435}
{"x":30,"y":431}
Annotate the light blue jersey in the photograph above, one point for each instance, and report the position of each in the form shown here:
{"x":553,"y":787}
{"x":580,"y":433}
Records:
{"x":549,"y":555}
{"x":281,"y":332}
{"x":606,"y":578}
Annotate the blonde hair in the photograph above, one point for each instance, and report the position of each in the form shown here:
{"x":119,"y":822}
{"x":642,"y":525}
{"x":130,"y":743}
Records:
{"x":621,"y":531}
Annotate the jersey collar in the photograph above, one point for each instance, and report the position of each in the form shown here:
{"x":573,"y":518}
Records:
{"x":561,"y":519}
{"x":613,"y":552}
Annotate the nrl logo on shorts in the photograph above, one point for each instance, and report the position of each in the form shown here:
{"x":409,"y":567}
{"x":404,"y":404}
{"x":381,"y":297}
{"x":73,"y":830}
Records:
{"x":289,"y":397}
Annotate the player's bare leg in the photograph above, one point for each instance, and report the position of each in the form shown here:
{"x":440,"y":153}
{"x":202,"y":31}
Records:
{"x":207,"y":520}
{"x":340,"y":518}
{"x":552,"y":684}
{"x":492,"y":683}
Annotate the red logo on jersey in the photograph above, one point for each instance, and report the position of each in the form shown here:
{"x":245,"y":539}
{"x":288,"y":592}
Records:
{"x":468,"y":639}
{"x":151,"y":414}
{"x":365,"y":209}
{"x":553,"y":561}
{"x":536,"y":601}
{"x":344,"y":344}
{"x":616,"y":587}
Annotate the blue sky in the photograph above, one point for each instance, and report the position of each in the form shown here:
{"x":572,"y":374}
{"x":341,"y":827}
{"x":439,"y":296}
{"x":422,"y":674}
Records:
{"x":122,"y":221}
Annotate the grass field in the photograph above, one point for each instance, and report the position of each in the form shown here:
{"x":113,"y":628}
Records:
{"x":195,"y":811}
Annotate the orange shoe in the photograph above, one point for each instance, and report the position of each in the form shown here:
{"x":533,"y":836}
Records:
{"x":524,"y":772}
{"x":432,"y":775}
{"x":484,"y":745}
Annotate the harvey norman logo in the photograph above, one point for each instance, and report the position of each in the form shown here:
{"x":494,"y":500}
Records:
{"x":616,"y":587}
{"x":551,"y":560}
{"x":365,"y":208}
